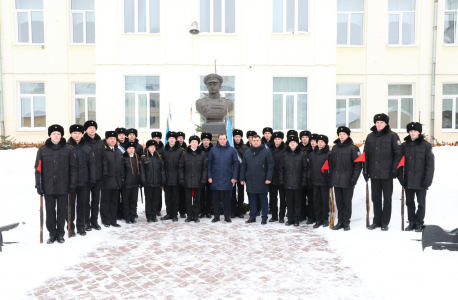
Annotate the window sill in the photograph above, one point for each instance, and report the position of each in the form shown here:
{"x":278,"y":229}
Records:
{"x":216,"y":33}
{"x":290,"y":33}
{"x":29,"y":44}
{"x":29,"y":129}
{"x":81,"y":44}
{"x":351,"y":46}
{"x":401,"y":46}
{"x":450,"y":45}
{"x":449,"y":130}
{"x":140,"y":33}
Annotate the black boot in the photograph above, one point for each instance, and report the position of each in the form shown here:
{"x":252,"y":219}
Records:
{"x":347,"y":227}
{"x":87,"y":227}
{"x":175,"y":219}
{"x":318,"y":224}
{"x":264,"y":222}
{"x":201,"y":215}
{"x":326,"y":223}
{"x":373,"y":226}
{"x":385,"y":227}
{"x":166,"y":217}
{"x":81,"y":232}
{"x":208,"y":216}
{"x":73,"y":234}
{"x":188,"y":219}
{"x":296,"y":223}
{"x":337,"y":226}
{"x":282,"y":220}
{"x":183,"y":216}
{"x":273,"y":219}
{"x":419,"y":228}
{"x":51,"y":240}
{"x":228,"y":220}
{"x":96,"y":226}
{"x":410,"y":227}
{"x":154,"y":219}
{"x":241,"y":216}
{"x":310,"y":221}
{"x":158,"y":214}
{"x":60,"y":239}
{"x":289,"y":222}
{"x":215,"y":219}
{"x":250,"y":221}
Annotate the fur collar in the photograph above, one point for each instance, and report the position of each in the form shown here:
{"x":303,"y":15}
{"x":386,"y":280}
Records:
{"x":202,"y":147}
{"x":88,"y":138}
{"x":160,"y":145}
{"x":384,"y":130}
{"x":189,"y":150}
{"x":61,"y":143}
{"x":296,"y":151}
{"x":239,"y":144}
{"x":420,"y":139}
{"x":348,"y":141}
{"x":263,"y":139}
{"x":126,"y":154}
{"x":176,"y":146}
{"x":282,"y":146}
{"x":324,"y":150}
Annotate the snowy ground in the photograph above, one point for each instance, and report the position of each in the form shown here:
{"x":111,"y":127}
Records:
{"x":385,"y":265}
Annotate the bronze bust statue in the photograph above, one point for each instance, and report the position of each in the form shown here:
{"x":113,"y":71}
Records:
{"x":214,"y":108}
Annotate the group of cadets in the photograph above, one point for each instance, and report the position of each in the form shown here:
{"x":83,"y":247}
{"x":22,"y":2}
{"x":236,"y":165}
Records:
{"x":108,"y":173}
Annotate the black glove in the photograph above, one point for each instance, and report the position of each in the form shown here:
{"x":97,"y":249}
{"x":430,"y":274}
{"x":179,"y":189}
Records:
{"x":425,"y":184}
{"x":353,"y":182}
{"x":394,"y":174}
{"x":366,"y":176}
{"x":402,"y":182}
{"x":71,"y":190}
{"x":40,"y":191}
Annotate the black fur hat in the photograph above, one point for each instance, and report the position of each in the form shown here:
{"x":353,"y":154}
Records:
{"x":120,"y":130}
{"x":267,"y":129}
{"x":90,"y":123}
{"x":291,"y":132}
{"x":156,"y":134}
{"x":344,"y":129}
{"x":323,"y":138}
{"x":206,"y":135}
{"x":56,"y":127}
{"x":278,"y":134}
{"x":291,"y":138}
{"x":132,"y":130}
{"x":382,"y":117}
{"x":109,"y":134}
{"x":130,"y":144}
{"x":414,"y":126}
{"x":237,"y":132}
{"x":76,"y":127}
{"x":180,"y":133}
{"x":250,"y":133}
{"x":314,"y":136}
{"x":305,"y":133}
{"x":171,"y":134}
{"x":194,"y":138}
{"x":151,"y":143}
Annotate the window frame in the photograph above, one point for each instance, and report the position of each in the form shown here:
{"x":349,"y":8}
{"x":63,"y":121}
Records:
{"x":296,"y":20}
{"x":29,"y":14}
{"x":146,"y":129}
{"x":223,"y":19}
{"x":32,"y":112}
{"x":454,"y":111}
{"x":347,"y":103}
{"x":349,"y":13}
{"x":455,"y":12}
{"x":308,"y":93}
{"x":85,"y":96}
{"x":398,"y":98}
{"x":83,"y":11}
{"x":399,"y":13}
{"x":136,"y":20}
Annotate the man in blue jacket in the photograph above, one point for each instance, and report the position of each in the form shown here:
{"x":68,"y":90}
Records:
{"x":223,"y":171}
{"x":257,"y":170}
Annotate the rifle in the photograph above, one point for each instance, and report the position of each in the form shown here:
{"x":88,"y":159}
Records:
{"x":402,"y":209}
{"x":331,"y":223}
{"x":41,"y":219}
{"x":69,"y":213}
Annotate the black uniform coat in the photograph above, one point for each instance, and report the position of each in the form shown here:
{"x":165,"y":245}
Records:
{"x":132,"y":169}
{"x":115,"y":169}
{"x":317,"y":158}
{"x":383,"y":153}
{"x":306,"y":148}
{"x":241,"y":148}
{"x":85,"y":160}
{"x":171,"y":160}
{"x":152,"y":170}
{"x":268,"y":143}
{"x":159,"y":149}
{"x":100,"y":155}
{"x":206,"y":151}
{"x":293,"y":169}
{"x":277,"y":154}
{"x":418,"y":172}
{"x":59,"y":169}
{"x":343,"y":168}
{"x":192,"y":170}
{"x":257,"y":166}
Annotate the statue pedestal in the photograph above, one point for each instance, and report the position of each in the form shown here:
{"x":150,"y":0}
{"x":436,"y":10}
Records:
{"x":214,"y":128}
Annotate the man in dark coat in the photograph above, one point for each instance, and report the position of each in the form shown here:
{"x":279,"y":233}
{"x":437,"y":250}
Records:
{"x":344,"y":175}
{"x":192,"y":173}
{"x":307,"y":208}
{"x":417,"y":174}
{"x":112,"y":182}
{"x":238,"y":191}
{"x":132,"y":135}
{"x":132,"y":180}
{"x":249,"y":136}
{"x":257,"y":170}
{"x":313,"y":140}
{"x":383,"y":153}
{"x":223,"y":172}
{"x":277,"y":149}
{"x":291,"y":132}
{"x":267,"y":136}
{"x":180,"y":140}
{"x":206,"y":193}
{"x":157,"y":136}
{"x":56,"y":173}
{"x":171,"y":158}
{"x":94,"y":141}
{"x":293,"y":176}
{"x":320,"y":180}
{"x":86,"y":177}
{"x":182,"y":205}
{"x":122,"y":140}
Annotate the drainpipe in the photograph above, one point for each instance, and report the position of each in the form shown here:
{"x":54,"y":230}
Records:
{"x":433,"y":72}
{"x":2,"y":120}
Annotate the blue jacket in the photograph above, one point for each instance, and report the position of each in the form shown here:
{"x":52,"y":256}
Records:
{"x":257,"y":166}
{"x":222,"y":166}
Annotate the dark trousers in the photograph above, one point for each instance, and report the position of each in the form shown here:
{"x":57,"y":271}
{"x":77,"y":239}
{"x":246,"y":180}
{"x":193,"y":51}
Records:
{"x":262,"y":198}
{"x":343,"y":201}
{"x":274,"y":190}
{"x":321,"y":203}
{"x":92,"y":204}
{"x":206,"y":199}
{"x":109,"y":206}
{"x":382,"y":215}
{"x":172,"y":197}
{"x":182,"y":203}
{"x":119,"y":209}
{"x":153,"y":196}
{"x":418,"y":217}
{"x":79,"y":200}
{"x":129,"y":203}
{"x":293,"y":203}
{"x":310,"y":206}
{"x":238,"y":198}
{"x":159,"y":205}
{"x":221,"y":196}
{"x":193,"y":202}
{"x":55,"y":221}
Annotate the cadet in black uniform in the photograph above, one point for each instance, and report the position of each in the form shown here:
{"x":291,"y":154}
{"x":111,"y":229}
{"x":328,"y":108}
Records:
{"x":307,"y":208}
{"x":277,"y":149}
{"x":206,"y":193}
{"x":122,"y":134}
{"x":132,"y":168}
{"x":182,"y":205}
{"x":238,"y":191}
{"x":267,"y":136}
{"x":157,"y":136}
{"x":132,"y":134}
{"x":249,"y":136}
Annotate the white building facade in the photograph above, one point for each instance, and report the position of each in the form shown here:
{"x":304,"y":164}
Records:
{"x":287,"y":64}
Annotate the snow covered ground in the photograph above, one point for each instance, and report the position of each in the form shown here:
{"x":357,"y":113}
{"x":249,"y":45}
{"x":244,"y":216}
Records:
{"x":390,"y":264}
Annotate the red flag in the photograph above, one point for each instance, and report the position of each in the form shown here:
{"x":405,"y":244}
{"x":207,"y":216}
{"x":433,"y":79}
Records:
{"x":402,"y":163}
{"x":361,"y":158}
{"x":39,"y":166}
{"x":325,"y":166}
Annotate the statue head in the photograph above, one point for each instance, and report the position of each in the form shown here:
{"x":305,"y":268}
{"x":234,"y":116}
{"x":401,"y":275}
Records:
{"x":213,"y":83}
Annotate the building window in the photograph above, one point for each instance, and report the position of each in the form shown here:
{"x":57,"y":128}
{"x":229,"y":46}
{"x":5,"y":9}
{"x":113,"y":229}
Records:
{"x":400,"y":105}
{"x":348,"y":106}
{"x":449,"y":107}
{"x":33,"y":105}
{"x":84,"y":97}
{"x":83,"y":22}
{"x":227,"y":91}
{"x":29,"y":15}
{"x":142,"y":95}
{"x":290,"y":16}
{"x":450,"y":20}
{"x":350,"y":15}
{"x":217,"y":16}
{"x":401,"y":22}
{"x":290,"y":103}
{"x":141,"y":16}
